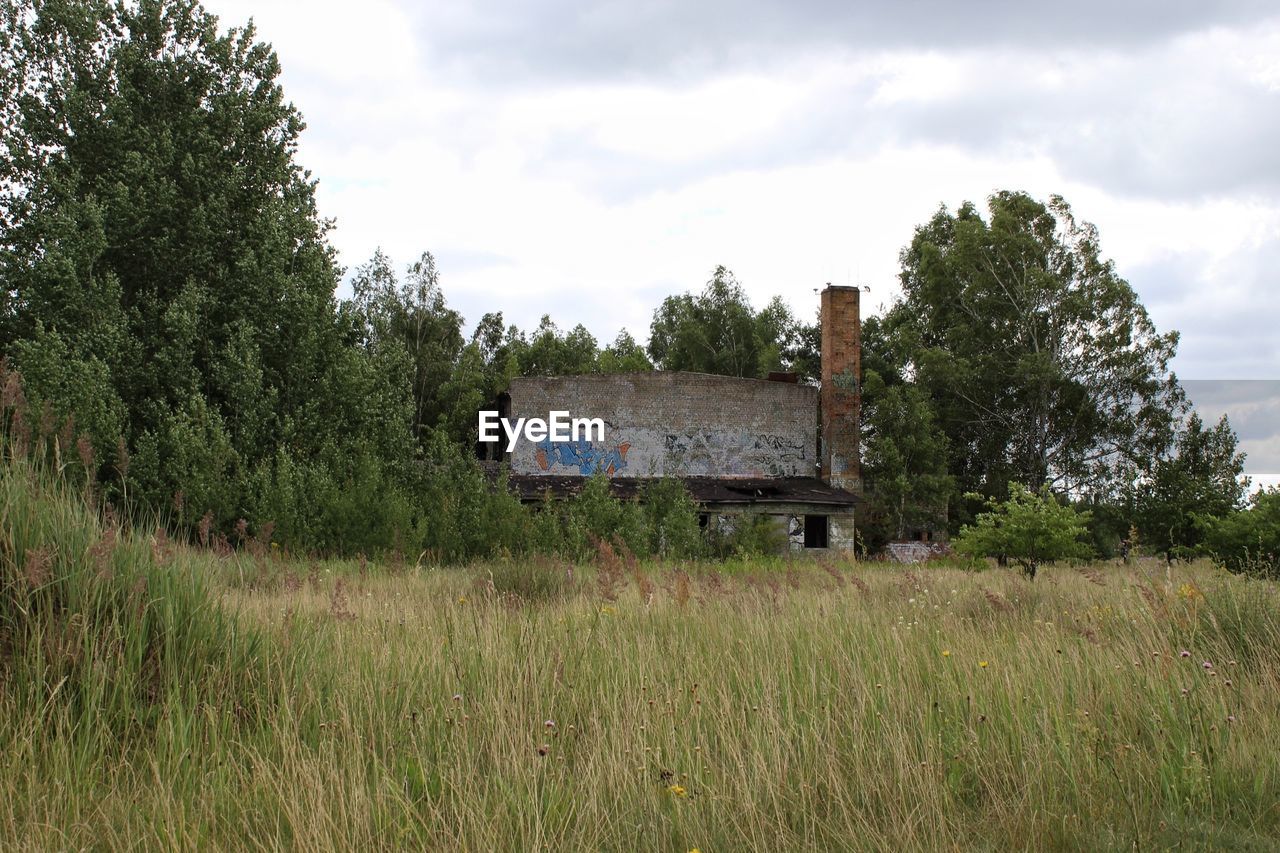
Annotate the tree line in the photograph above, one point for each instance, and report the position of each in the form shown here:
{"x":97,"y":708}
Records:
{"x":167,"y":279}
{"x":168,"y":282}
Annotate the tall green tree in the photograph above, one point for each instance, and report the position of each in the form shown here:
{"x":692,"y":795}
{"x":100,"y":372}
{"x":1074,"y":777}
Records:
{"x":1247,"y":541}
{"x":904,"y":460}
{"x":904,"y":449}
{"x":624,"y":355}
{"x":1201,"y":480}
{"x":1041,"y":363}
{"x":161,"y":238}
{"x":483,"y":369}
{"x":720,"y":332}
{"x":413,"y":318}
{"x":550,"y":352}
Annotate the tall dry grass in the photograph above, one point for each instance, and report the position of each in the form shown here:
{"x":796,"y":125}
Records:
{"x":809,"y":706}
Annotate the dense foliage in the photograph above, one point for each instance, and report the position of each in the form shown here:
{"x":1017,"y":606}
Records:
{"x":1018,"y":356}
{"x":1029,"y":528}
{"x":168,"y":282}
{"x":718,"y":331}
{"x":1249,"y":541}
{"x":166,"y":279}
{"x":1201,"y":478}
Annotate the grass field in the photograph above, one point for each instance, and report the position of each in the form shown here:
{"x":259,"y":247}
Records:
{"x":520,"y":706}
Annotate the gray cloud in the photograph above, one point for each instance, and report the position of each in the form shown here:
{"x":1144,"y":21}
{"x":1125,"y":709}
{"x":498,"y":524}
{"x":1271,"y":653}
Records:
{"x":1253,"y":409}
{"x":1226,"y":312}
{"x":1150,"y":124}
{"x":559,"y":39}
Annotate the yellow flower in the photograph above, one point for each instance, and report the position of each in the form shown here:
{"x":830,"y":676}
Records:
{"x":462,"y":599}
{"x":606,"y":610}
{"x":982,"y":664}
{"x":678,"y":791}
{"x":946,"y":653}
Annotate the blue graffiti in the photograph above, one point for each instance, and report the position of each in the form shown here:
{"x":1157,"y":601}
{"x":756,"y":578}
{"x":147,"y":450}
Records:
{"x":582,"y":455}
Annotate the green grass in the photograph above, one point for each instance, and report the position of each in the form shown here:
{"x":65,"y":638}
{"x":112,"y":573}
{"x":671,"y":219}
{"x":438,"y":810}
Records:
{"x":774,"y":706}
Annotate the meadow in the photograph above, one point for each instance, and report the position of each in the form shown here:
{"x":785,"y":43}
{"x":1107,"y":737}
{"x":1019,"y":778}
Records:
{"x":160,"y":696}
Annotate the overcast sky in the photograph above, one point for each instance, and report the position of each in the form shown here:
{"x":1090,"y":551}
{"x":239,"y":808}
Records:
{"x":587,"y":159}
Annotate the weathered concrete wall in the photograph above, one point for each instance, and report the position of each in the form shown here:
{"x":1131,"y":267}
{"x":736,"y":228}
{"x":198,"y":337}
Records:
{"x":842,"y":532}
{"x":916,"y":552}
{"x":672,"y":424}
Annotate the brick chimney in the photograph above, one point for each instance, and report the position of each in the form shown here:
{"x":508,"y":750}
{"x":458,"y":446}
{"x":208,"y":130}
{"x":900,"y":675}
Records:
{"x":841,"y":392}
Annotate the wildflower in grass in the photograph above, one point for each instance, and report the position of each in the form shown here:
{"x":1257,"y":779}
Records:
{"x":1184,"y":654}
{"x":1207,"y":665}
{"x":677,"y":791}
{"x":946,"y":653}
{"x":551,"y":724}
{"x":607,"y":610}
{"x":982,"y":664}
{"x":462,"y":599}
{"x":1231,"y":718}
{"x":543,"y":749}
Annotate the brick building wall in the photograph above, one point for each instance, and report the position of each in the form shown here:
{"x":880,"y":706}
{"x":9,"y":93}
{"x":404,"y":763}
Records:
{"x":673,"y":424}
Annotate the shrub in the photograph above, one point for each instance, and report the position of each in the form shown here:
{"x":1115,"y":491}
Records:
{"x":596,"y":513}
{"x":1247,"y":542}
{"x":671,"y":518}
{"x":1028,"y":528}
{"x":745,"y":535}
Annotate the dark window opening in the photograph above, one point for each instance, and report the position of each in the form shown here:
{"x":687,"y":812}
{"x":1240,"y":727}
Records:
{"x":704,"y":520}
{"x":815,"y":531}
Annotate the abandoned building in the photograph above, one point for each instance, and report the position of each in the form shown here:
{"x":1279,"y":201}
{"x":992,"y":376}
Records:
{"x":769,"y":446}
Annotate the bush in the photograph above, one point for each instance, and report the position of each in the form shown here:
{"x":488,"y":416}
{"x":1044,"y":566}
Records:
{"x":1028,"y":528}
{"x":1247,"y":542}
{"x":746,"y":535}
{"x":671,"y":518}
{"x":99,"y":633}
{"x":595,"y":514}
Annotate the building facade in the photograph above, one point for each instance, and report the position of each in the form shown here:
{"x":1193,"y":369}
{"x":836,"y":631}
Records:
{"x":769,"y":446}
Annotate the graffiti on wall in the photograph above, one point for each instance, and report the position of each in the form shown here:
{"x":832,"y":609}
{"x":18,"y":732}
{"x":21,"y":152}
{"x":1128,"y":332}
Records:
{"x":583,"y":455}
{"x":762,"y":454}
